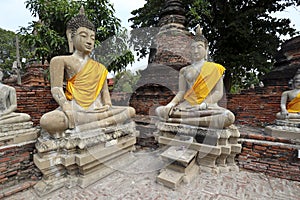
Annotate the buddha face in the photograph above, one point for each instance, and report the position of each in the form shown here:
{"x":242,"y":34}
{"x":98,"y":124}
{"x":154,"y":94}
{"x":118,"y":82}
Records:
{"x":84,"y":40}
{"x":198,"y":50}
{"x":297,"y":81}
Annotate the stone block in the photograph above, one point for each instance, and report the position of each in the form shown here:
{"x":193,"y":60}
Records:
{"x":180,"y":155}
{"x":170,"y":178}
{"x":283,"y":132}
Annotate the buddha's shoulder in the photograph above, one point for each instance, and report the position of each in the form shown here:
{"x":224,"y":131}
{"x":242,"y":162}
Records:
{"x":62,"y":59}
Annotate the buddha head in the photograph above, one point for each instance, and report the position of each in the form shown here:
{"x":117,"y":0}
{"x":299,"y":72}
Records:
{"x":199,"y":46}
{"x":80,"y":33}
{"x":296,"y":80}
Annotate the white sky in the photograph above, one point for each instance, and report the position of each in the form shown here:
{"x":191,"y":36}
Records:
{"x":13,"y":15}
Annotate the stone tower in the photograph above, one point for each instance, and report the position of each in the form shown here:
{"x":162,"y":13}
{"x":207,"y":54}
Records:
{"x":287,"y":63}
{"x":159,"y":81}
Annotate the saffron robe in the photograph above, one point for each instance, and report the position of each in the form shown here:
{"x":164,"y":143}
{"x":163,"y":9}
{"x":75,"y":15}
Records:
{"x":294,"y":105}
{"x":207,"y":79}
{"x":86,"y":85}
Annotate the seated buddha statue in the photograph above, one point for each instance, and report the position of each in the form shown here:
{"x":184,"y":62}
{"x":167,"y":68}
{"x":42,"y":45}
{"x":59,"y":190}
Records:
{"x":290,"y":101}
{"x":85,"y":104}
{"x":200,"y":89}
{"x":8,"y":104}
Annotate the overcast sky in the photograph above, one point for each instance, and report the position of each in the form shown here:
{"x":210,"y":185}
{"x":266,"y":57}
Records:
{"x":13,"y":15}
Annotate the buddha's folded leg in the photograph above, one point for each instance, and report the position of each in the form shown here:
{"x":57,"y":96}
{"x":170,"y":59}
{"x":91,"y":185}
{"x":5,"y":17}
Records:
{"x":214,"y":121}
{"x":117,"y":115}
{"x":196,"y":113}
{"x":14,"y":118}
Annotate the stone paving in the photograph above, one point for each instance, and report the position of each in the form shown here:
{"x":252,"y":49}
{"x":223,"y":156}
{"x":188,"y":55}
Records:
{"x":137,"y":181}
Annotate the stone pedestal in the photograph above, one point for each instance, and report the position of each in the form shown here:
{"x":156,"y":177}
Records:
{"x":216,"y":148}
{"x":82,"y":158}
{"x":11,"y":134}
{"x":289,"y":129}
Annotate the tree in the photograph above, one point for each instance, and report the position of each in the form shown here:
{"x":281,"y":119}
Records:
{"x":8,"y":50}
{"x":243,"y":36}
{"x":126,"y":81}
{"x":48,"y":37}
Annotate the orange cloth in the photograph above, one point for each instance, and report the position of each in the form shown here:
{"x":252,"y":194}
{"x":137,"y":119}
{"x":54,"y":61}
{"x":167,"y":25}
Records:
{"x":294,"y":105}
{"x":208,"y":77}
{"x":86,"y":85}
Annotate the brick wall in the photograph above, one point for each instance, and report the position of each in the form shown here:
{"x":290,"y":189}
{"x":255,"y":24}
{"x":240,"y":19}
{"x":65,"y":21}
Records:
{"x":273,"y":156}
{"x":16,"y":166}
{"x":35,"y":101}
{"x":256,"y":107}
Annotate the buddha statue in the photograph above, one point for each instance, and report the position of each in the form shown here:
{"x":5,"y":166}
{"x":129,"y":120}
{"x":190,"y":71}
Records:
{"x":8,"y":104}
{"x":85,"y":104}
{"x":290,"y":102}
{"x":200,"y":89}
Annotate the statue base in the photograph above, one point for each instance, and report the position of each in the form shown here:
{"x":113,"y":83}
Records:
{"x":215,"y":148}
{"x":289,"y":129}
{"x":80,"y":159}
{"x":17,"y":133}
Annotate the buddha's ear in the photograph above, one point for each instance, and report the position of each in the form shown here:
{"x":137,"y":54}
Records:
{"x":70,"y":41}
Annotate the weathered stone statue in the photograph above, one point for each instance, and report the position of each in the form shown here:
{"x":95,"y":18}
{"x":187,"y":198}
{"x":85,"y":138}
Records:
{"x":86,"y":102}
{"x":290,"y":101}
{"x":200,"y":89}
{"x":199,"y":131}
{"x":287,"y":124}
{"x":85,"y":135}
{"x":8,"y":104}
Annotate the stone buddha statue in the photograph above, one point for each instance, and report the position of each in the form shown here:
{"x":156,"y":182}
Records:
{"x":8,"y":104}
{"x":85,"y":104}
{"x":290,"y":102}
{"x":200,"y":89}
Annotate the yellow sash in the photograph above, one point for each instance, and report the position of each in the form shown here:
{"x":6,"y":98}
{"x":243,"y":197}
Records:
{"x":86,"y":85}
{"x":294,"y":105}
{"x":208,"y":77}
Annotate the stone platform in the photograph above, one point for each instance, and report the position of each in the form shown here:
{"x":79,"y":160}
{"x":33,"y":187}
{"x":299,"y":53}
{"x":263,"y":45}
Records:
{"x":215,"y":148}
{"x":12,"y":134}
{"x":289,"y":129}
{"x":82,"y":158}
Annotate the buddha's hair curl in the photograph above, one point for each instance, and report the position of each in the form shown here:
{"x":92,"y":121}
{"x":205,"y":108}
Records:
{"x":79,"y":21}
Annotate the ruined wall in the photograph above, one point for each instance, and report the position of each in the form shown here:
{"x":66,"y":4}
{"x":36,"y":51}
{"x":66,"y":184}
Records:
{"x":273,"y":156}
{"x":17,"y":170}
{"x":255,"y":107}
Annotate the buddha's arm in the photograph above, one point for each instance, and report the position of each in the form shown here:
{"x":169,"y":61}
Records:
{"x":12,"y":98}
{"x":182,"y":89}
{"x":57,"y":78}
{"x":105,"y":95}
{"x":283,"y":102}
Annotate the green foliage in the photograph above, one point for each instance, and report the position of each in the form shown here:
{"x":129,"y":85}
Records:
{"x":125,"y":81}
{"x":48,"y":35}
{"x":8,"y":50}
{"x":243,"y":36}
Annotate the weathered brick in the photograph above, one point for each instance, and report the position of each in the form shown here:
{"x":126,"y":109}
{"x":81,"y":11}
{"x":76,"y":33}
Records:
{"x":260,"y":148}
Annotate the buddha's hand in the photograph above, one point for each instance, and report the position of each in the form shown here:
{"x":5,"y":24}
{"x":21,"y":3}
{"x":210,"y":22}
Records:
{"x":169,"y":109}
{"x":285,"y":113}
{"x":69,"y":113}
{"x":103,"y":108}
{"x":202,"y":106}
